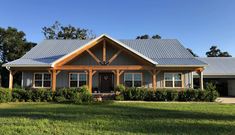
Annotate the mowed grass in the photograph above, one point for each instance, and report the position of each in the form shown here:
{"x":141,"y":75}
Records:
{"x":117,"y":118}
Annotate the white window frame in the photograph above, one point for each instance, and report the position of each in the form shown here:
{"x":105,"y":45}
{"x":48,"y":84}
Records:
{"x":173,"y":79}
{"x":42,"y":73}
{"x":133,"y":79}
{"x":78,"y":74}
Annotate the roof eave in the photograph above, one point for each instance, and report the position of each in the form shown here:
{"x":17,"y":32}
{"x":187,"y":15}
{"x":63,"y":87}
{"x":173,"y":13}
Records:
{"x":181,"y":65}
{"x":24,"y":65}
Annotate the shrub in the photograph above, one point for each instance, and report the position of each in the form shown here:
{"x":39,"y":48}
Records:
{"x":201,"y":95}
{"x":119,"y":90}
{"x":181,"y":96}
{"x":191,"y":95}
{"x":60,"y":99}
{"x":19,"y":95}
{"x":150,"y":95}
{"x":5,"y":95}
{"x":74,"y":95}
{"x":171,"y":95}
{"x":85,"y":95}
{"x":161,"y":95}
{"x":211,"y":92}
{"x":119,"y":97}
{"x":134,"y":93}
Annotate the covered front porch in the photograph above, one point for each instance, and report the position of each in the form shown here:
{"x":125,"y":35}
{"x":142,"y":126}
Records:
{"x":103,"y":79}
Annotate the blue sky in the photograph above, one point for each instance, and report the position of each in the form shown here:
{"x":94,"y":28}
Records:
{"x":197,"y":24}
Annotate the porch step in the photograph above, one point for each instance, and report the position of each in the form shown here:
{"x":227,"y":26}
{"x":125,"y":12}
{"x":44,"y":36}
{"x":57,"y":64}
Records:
{"x":103,"y":96}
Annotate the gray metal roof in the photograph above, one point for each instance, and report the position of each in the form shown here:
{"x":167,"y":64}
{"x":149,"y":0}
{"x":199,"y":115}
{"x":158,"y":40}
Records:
{"x":179,"y":61}
{"x":219,"y":65}
{"x":162,"y":51}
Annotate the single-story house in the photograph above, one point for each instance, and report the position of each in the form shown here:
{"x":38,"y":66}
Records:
{"x":104,"y":62}
{"x":221,"y":72}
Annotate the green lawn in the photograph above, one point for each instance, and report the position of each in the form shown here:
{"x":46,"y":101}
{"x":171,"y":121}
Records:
{"x":117,"y":118}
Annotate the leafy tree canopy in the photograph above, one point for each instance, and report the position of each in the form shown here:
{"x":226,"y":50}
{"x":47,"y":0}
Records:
{"x":13,"y":45}
{"x":216,"y":52}
{"x":58,"y":31}
{"x":146,"y":36}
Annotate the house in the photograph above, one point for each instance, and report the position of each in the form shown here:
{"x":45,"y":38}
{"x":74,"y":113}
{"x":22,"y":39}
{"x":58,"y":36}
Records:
{"x":104,"y":62}
{"x":221,"y":72}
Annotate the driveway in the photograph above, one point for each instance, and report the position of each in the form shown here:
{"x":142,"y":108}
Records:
{"x":229,"y":100}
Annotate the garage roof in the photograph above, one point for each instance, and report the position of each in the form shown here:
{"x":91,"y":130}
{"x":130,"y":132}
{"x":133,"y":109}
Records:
{"x":219,"y":65}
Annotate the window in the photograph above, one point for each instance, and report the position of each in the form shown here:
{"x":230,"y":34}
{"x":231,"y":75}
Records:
{"x":133,"y":79}
{"x":42,"y":80}
{"x":77,"y":79}
{"x":173,"y":80}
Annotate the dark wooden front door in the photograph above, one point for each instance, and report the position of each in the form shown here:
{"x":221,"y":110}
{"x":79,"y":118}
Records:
{"x":106,"y":82}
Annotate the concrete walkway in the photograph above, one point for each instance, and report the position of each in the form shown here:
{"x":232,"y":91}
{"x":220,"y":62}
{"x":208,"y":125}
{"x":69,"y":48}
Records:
{"x":228,"y":100}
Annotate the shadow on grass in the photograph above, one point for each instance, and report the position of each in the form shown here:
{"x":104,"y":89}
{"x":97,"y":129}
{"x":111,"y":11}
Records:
{"x":133,"y":119}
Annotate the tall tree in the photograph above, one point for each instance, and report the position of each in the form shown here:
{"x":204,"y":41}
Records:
{"x":13,"y":45}
{"x":156,"y":36}
{"x":58,"y":31}
{"x":146,"y":36}
{"x":191,"y":51}
{"x":216,"y":52}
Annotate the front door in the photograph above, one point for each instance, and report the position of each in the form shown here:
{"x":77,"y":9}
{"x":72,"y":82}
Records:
{"x":106,"y":84}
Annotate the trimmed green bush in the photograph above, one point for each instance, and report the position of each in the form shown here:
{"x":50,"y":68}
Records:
{"x":5,"y":95}
{"x":18,"y":95}
{"x":171,"y":95}
{"x":211,"y":92}
{"x":148,"y":94}
{"x":74,"y":95}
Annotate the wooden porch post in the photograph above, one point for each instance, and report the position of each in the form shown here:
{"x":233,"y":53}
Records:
{"x":53,"y":80}
{"x":201,"y":80}
{"x":90,"y":80}
{"x":192,"y":83}
{"x":118,"y":77}
{"x":10,"y":79}
{"x":154,"y":80}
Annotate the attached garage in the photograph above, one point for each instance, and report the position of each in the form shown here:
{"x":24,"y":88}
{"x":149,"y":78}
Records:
{"x":221,"y":72}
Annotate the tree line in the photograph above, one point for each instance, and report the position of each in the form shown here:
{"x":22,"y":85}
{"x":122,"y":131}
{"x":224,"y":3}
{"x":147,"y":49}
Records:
{"x":13,"y":44}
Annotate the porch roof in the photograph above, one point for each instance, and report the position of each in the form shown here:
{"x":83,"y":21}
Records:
{"x":163,"y":52}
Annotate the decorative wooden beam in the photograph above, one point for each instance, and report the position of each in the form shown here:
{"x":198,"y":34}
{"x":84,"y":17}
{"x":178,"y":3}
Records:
{"x":114,"y":72}
{"x":121,"y":72}
{"x":101,"y":67}
{"x":93,"y":56}
{"x":93,"y":72}
{"x":114,"y":56}
{"x":57,"y":72}
{"x":104,"y":51}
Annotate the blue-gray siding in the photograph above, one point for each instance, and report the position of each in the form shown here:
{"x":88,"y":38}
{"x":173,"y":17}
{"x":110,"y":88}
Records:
{"x":63,"y":79}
